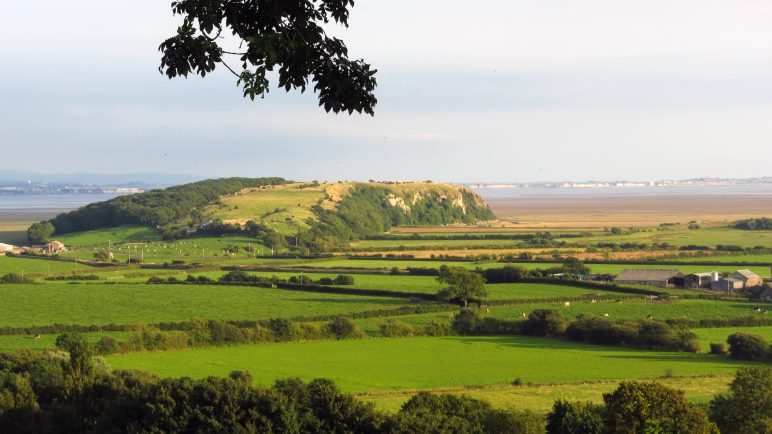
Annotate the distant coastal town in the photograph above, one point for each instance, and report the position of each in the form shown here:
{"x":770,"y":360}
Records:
{"x":629,"y":184}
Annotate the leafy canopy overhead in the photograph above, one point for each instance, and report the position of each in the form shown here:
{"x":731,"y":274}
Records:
{"x":283,"y":35}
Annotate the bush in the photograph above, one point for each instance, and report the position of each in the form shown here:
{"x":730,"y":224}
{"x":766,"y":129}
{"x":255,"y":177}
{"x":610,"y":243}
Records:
{"x":106,"y":345}
{"x":344,"y":280}
{"x":15,"y":278}
{"x":429,"y":413}
{"x":466,"y":322}
{"x":718,"y":349}
{"x":545,"y":322}
{"x":747,"y":346}
{"x":396,"y":329}
{"x":342,"y":328}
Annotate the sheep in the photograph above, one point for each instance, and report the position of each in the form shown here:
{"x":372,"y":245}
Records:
{"x":607,"y":315}
{"x":567,"y":304}
{"x":37,"y":336}
{"x":594,"y":301}
{"x":487,"y":310}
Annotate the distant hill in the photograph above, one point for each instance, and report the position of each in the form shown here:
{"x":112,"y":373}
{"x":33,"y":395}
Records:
{"x":313,"y":216}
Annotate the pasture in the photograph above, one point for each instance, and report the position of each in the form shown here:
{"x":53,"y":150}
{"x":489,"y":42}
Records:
{"x":719,"y":335}
{"x":100,"y":304}
{"x":627,"y":310}
{"x":540,"y":397}
{"x":40,"y":267}
{"x":680,"y":236}
{"x":381,"y":364}
{"x":284,"y":208}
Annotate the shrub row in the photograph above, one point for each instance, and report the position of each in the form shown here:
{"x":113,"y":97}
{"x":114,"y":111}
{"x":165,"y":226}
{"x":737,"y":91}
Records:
{"x":204,"y":333}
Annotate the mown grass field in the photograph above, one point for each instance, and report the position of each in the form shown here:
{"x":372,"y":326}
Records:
{"x":12,"y":343}
{"x":100,"y":304}
{"x":719,"y":335}
{"x":539,"y":398}
{"x":379,"y":364}
{"x":384,"y":264}
{"x":40,"y":267}
{"x":681,"y":236}
{"x":283,"y":208}
{"x":631,"y":310}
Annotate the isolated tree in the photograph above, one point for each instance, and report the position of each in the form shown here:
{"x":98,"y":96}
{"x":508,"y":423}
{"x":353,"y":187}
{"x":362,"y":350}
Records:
{"x":40,"y":233}
{"x":748,"y":409}
{"x":283,"y":36}
{"x":462,"y":284}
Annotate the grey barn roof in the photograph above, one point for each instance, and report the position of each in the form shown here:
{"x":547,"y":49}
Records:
{"x":748,"y":274}
{"x":640,"y":275}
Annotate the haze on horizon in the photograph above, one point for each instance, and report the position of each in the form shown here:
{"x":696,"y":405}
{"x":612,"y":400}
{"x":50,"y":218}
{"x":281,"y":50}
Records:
{"x":496,"y":91}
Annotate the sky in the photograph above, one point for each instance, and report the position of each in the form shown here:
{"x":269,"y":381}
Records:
{"x":488,"y":91}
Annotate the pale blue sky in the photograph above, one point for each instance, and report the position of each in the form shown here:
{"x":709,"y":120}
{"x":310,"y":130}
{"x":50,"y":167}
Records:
{"x":500,"y":90}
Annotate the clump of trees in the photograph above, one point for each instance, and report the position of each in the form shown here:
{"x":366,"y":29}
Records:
{"x":643,"y":334}
{"x":755,"y":224}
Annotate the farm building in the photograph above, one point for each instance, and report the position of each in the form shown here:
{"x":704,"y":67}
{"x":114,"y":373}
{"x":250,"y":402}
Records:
{"x":5,"y":248}
{"x":700,"y":280}
{"x":748,"y":277}
{"x":661,"y":278}
{"x":727,"y":284}
{"x":766,"y":295}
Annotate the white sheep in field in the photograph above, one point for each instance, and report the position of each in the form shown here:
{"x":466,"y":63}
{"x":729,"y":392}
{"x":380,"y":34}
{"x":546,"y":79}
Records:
{"x":594,"y":301}
{"x":567,"y":304}
{"x":607,"y":314}
{"x":487,"y":310}
{"x":523,"y":315}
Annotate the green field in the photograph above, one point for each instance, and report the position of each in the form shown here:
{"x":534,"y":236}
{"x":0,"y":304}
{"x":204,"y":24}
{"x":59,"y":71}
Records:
{"x":539,"y":398}
{"x":632,"y":310}
{"x":377,"y":364}
{"x":283,"y":208}
{"x":12,"y":343}
{"x":719,"y":335}
{"x":40,"y":267}
{"x":595,"y":268}
{"x":681,"y":236}
{"x":100,"y":304}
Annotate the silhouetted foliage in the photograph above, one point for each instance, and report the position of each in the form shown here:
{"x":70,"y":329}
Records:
{"x":287,"y":37}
